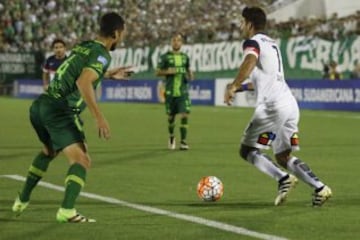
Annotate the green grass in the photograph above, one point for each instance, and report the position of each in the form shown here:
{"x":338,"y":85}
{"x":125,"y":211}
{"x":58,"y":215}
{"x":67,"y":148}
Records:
{"x":135,"y":166}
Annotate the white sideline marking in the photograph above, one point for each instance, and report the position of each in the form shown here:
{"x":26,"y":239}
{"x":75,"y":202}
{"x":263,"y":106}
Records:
{"x":189,"y":218}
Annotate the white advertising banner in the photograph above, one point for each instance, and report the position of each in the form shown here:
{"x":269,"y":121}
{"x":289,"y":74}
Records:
{"x":242,"y":99}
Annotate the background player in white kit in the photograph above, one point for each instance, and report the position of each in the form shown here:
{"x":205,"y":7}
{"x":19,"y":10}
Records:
{"x":274,"y":122}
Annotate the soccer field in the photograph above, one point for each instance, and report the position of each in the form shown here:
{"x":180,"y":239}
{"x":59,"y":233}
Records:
{"x":138,"y":189}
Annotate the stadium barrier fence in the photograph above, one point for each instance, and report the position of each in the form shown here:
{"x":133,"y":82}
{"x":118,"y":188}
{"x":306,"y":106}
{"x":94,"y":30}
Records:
{"x":324,"y":95}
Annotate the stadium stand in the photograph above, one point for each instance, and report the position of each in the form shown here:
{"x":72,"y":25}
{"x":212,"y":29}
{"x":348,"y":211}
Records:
{"x":33,"y":25}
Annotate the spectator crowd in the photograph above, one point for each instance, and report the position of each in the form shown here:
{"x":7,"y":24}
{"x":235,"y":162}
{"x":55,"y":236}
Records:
{"x":33,"y":25}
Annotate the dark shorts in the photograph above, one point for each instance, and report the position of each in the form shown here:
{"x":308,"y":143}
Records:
{"x":56,"y":125}
{"x":174,"y":105}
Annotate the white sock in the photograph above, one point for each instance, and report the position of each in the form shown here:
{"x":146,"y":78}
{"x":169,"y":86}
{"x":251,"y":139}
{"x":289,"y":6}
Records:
{"x":266,"y":165}
{"x":302,"y":171}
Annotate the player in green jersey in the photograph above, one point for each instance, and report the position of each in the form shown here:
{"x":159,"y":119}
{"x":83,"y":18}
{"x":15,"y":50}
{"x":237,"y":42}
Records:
{"x":175,"y":67}
{"x":55,"y":115}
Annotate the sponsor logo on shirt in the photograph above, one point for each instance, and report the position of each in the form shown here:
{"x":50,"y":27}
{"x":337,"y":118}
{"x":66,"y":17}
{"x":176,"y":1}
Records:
{"x":102,"y":60}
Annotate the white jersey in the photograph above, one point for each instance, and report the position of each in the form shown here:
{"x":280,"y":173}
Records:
{"x":276,"y":116}
{"x":268,"y":75}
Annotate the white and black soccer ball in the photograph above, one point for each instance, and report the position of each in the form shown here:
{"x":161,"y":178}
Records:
{"x":210,"y":188}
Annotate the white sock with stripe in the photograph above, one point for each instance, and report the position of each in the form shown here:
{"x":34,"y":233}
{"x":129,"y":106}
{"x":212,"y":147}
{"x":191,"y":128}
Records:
{"x":302,"y":171}
{"x":265,"y":165}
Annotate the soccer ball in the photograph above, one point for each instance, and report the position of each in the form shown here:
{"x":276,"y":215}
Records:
{"x":210,"y":189}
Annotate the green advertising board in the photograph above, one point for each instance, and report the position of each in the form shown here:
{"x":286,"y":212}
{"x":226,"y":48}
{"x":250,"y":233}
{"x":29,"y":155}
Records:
{"x":303,"y":57}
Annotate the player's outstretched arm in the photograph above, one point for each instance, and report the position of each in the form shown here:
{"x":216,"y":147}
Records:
{"x":119,"y":73}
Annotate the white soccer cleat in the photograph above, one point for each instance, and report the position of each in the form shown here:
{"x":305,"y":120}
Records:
{"x":321,"y":196}
{"x":184,"y":146}
{"x":284,"y":188}
{"x":172,"y":143}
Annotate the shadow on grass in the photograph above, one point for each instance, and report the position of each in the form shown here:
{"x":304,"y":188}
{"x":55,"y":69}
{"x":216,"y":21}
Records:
{"x":291,"y":203}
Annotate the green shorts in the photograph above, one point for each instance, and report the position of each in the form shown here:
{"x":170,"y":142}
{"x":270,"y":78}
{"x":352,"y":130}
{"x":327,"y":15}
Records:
{"x":174,"y":105}
{"x":56,"y":125}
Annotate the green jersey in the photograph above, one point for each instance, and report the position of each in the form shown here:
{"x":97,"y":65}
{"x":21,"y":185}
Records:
{"x":175,"y":85}
{"x":88,"y":54}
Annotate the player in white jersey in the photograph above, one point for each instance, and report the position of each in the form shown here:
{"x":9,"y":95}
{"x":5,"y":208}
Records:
{"x":275,"y":120}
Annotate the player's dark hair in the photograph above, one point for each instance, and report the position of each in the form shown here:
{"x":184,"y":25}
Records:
{"x":58,"y":40}
{"x":256,"y":16}
{"x":175,"y":34}
{"x":109,"y":23}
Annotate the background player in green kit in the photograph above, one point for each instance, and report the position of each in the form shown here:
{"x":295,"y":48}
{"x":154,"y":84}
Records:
{"x":175,"y":66}
{"x":55,"y":115}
